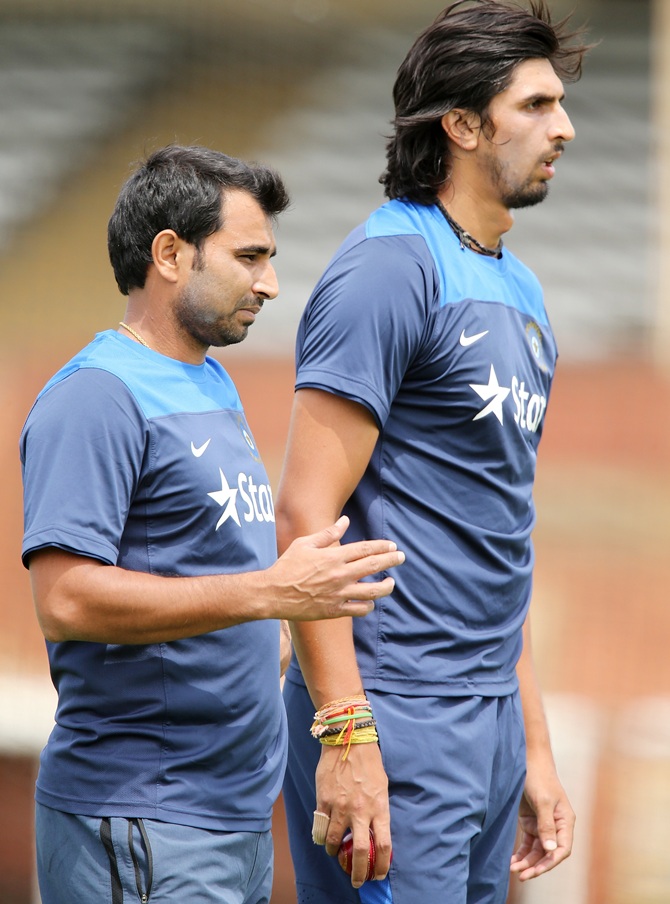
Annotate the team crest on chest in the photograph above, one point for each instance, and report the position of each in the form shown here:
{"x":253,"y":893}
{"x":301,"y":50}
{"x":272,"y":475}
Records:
{"x":246,"y":435}
{"x":534,"y":340}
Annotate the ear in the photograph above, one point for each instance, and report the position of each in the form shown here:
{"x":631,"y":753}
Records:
{"x":463,"y":128}
{"x":170,"y":255}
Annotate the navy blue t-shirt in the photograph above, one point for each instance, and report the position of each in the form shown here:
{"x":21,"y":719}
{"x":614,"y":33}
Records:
{"x":453,"y":354}
{"x":144,"y":462}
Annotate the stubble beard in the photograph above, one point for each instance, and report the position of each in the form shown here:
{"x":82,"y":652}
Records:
{"x":526,"y":196}
{"x":515,"y":197}
{"x":209,"y":331}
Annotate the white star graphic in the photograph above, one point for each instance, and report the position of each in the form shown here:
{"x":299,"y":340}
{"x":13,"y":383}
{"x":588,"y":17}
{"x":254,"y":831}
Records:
{"x":493,"y":391}
{"x":226,"y":496}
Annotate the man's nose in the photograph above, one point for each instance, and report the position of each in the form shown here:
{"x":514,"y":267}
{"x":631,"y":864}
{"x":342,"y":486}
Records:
{"x":563,"y":128}
{"x":267,"y":284}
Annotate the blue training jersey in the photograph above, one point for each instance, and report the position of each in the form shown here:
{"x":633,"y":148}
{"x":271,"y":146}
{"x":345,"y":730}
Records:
{"x":453,"y":354}
{"x":145,"y":462}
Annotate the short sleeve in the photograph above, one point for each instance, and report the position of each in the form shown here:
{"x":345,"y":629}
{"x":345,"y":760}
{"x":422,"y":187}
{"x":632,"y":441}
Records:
{"x":366,"y":321}
{"x":82,"y":450}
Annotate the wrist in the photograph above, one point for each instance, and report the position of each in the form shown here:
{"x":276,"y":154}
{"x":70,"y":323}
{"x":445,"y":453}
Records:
{"x":345,"y":721}
{"x":259,"y":595}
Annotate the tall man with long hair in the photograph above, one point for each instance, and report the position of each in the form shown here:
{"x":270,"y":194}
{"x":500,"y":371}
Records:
{"x":150,"y":539}
{"x":424,"y":364}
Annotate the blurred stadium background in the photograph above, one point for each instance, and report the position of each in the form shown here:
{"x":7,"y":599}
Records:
{"x":88,"y":86}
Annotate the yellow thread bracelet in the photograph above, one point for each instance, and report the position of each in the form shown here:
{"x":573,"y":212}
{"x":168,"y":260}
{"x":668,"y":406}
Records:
{"x":367,"y":735}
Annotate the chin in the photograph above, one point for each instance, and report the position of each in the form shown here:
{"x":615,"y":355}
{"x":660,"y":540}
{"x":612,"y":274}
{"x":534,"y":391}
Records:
{"x":229,"y":338}
{"x":528,"y":197}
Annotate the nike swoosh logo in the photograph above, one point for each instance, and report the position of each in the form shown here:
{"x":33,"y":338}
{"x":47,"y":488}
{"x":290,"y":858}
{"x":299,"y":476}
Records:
{"x":200,"y":450}
{"x":469,"y":340}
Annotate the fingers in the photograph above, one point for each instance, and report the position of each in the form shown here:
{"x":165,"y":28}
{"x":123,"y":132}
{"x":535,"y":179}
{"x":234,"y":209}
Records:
{"x":364,"y":558}
{"x":535,"y":856}
{"x":368,"y":556}
{"x":537,"y":861}
{"x":331,"y":534}
{"x":382,"y":837}
{"x":318,"y":578}
{"x":320,"y":827}
{"x":350,"y":564}
{"x":370,"y":854}
{"x":546,"y":826}
{"x":526,"y":857}
{"x":364,"y":852}
{"x":358,"y":599}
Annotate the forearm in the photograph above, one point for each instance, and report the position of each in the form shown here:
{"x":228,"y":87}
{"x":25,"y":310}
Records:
{"x":330,"y":443}
{"x":90,"y":601}
{"x":79,"y":598}
{"x":327,"y":659}
{"x":538,"y":742}
{"x":325,"y":650}
{"x":545,"y":815}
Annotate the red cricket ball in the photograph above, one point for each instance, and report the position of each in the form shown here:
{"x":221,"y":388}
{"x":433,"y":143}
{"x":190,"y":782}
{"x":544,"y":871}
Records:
{"x":346,"y":852}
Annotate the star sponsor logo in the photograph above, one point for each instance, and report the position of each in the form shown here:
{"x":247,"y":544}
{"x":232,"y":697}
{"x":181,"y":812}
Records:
{"x":529,"y":407}
{"x":493,"y":393}
{"x":254,"y":500}
{"x":226,"y":497}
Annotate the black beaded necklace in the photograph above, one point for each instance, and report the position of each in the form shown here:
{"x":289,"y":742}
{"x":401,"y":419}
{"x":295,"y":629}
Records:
{"x":466,"y":240}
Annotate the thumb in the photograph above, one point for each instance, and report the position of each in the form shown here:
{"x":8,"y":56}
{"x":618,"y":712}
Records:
{"x":546,"y":828}
{"x":331,"y":534}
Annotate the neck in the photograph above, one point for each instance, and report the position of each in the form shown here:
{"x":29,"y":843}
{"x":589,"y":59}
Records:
{"x":160,"y":334}
{"x":133,"y":332}
{"x":476,"y":211}
{"x":467,"y":240}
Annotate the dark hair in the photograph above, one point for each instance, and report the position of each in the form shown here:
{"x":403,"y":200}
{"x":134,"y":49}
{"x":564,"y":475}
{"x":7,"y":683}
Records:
{"x":180,"y":188}
{"x":464,"y":59}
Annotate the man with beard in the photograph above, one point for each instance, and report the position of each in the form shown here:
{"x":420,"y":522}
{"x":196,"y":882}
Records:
{"x":424,"y":363}
{"x":150,"y":539}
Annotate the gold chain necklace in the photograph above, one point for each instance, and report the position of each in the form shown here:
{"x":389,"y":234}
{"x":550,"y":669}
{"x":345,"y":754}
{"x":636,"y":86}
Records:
{"x":134,"y":333}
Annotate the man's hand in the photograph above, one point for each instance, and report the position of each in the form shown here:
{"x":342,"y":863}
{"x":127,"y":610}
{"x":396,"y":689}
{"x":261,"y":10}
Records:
{"x":317,"y":578}
{"x":354,"y":793}
{"x":547,"y":824}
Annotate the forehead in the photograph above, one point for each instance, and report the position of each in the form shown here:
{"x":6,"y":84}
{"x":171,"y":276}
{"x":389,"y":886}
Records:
{"x":245,"y":222}
{"x":529,"y":79}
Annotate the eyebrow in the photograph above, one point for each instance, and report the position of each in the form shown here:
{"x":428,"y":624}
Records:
{"x":543,"y":98}
{"x":256,"y":249}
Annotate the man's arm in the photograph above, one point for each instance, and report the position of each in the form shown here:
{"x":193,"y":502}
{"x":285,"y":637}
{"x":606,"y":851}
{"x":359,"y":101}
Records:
{"x":546,"y":818}
{"x":330,"y":443}
{"x":78,"y":598}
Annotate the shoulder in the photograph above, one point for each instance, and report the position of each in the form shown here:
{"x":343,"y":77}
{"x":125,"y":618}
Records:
{"x":101,"y":356}
{"x":384,"y":260}
{"x":158,"y":385}
{"x":396,"y":233}
{"x":83,"y":386}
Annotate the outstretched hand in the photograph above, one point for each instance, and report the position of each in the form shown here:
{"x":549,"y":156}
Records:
{"x":319,"y":578}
